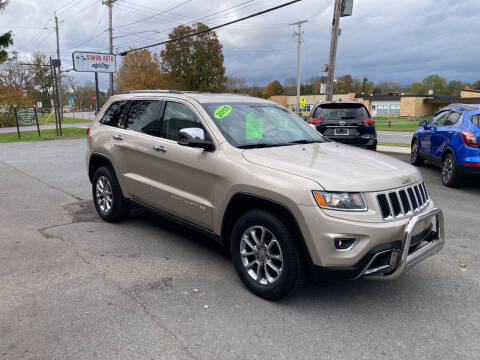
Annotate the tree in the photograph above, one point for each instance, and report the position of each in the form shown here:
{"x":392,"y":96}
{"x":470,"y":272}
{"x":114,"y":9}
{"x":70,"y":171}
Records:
{"x":195,"y":63}
{"x":476,"y":85}
{"x":236,"y":84}
{"x":6,"y":39}
{"x":14,"y":74}
{"x":367,"y":86}
{"x":454,"y":87}
{"x":140,"y":70}
{"x":417,"y":88}
{"x":290,"y":86}
{"x":272,"y":89}
{"x":40,"y":79}
{"x":386,"y":87}
{"x":435,"y":83}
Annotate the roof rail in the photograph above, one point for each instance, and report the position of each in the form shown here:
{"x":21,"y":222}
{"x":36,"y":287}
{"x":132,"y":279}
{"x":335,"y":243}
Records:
{"x":466,"y":106}
{"x":154,"y":91}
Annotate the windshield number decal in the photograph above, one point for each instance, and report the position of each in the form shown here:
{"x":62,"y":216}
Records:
{"x":222,"y":111}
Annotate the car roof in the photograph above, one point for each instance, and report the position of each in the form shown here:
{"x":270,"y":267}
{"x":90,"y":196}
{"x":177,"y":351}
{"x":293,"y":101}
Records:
{"x":339,"y":102}
{"x":464,"y":107}
{"x":201,"y":97}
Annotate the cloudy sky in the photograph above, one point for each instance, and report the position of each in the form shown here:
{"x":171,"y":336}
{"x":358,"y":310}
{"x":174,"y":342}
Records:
{"x":398,"y":40}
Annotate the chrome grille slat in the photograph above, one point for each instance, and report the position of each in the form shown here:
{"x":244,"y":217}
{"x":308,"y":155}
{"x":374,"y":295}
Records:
{"x":400,"y":203}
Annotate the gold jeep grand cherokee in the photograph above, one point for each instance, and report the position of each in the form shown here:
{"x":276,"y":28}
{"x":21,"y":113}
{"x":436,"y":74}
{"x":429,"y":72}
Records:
{"x":286,"y":201}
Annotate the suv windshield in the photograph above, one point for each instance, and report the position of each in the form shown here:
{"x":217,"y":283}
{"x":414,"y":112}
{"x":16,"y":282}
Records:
{"x":247,"y":125}
{"x":341,"y":112}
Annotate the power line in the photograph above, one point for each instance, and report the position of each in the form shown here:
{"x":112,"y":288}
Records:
{"x":152,"y":16}
{"x":158,"y":32}
{"x":87,"y":41}
{"x":212,"y":28}
{"x":80,"y":11}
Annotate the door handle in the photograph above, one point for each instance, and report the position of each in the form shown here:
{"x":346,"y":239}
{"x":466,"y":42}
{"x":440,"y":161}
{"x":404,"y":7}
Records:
{"x":450,"y":132}
{"x":159,"y":148}
{"x":117,"y":137}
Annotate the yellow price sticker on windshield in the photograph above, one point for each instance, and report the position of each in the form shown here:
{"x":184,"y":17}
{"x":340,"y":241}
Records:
{"x":222,"y":111}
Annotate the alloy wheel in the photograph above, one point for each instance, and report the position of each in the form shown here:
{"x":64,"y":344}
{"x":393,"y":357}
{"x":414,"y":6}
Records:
{"x":261,"y":255}
{"x":447,"y":169}
{"x":414,"y":152}
{"x":103,"y":193}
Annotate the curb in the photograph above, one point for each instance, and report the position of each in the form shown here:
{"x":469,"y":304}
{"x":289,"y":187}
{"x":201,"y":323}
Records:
{"x":393,"y":149}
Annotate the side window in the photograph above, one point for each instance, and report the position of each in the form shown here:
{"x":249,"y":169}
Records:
{"x":113,"y":116}
{"x":176,"y":117}
{"x":476,"y":120}
{"x":452,"y":118}
{"x":143,"y":116}
{"x":439,"y":118}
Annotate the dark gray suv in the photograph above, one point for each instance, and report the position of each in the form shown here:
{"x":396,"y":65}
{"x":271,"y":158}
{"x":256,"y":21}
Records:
{"x":347,"y":122}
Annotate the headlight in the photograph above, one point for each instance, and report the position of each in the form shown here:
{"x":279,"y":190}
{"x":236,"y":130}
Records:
{"x":340,"y":201}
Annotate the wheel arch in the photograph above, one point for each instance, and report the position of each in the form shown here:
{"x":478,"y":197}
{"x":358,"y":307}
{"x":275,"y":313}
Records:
{"x":97,"y":160}
{"x":242,"y":202}
{"x":449,"y":150}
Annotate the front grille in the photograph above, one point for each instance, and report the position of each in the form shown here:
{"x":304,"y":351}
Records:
{"x":404,"y":202}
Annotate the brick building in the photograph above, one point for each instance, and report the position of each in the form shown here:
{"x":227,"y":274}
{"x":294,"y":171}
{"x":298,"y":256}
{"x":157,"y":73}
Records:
{"x":391,"y":105}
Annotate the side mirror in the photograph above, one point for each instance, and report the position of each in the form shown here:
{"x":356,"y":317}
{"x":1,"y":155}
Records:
{"x":195,"y":137}
{"x":423,"y":123}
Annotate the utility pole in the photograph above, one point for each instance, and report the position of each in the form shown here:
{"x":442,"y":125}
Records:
{"x":333,"y":48}
{"x":110,"y":36}
{"x":60,"y":95}
{"x":298,"y":34}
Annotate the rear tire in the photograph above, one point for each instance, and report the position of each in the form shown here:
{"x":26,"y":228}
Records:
{"x":107,"y":196}
{"x":450,"y":175}
{"x":415,"y":157}
{"x":265,"y":255}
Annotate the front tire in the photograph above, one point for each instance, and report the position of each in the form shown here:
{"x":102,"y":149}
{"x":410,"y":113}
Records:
{"x":450,"y":175}
{"x":265,"y":255}
{"x":415,"y":157}
{"x":107,"y":196}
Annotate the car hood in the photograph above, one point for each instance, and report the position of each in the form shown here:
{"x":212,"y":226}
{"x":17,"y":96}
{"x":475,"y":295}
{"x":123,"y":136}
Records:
{"x":337,"y":167}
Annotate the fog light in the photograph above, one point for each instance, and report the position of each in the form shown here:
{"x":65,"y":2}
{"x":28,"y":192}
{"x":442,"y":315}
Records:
{"x":345,"y":244}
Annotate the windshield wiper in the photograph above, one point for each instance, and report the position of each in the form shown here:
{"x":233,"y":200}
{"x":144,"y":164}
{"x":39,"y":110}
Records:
{"x":262,"y":145}
{"x":304,"y":141}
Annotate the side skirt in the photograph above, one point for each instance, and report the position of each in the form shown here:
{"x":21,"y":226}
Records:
{"x":200,"y":229}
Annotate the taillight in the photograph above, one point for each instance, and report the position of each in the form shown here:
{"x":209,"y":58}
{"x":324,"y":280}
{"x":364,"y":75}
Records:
{"x":469,"y":138}
{"x":88,"y":131}
{"x":314,"y":121}
{"x":369,"y":122}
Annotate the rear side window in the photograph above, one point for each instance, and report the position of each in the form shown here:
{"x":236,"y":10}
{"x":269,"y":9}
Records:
{"x":176,"y":117}
{"x":113,"y":116}
{"x":341,"y":112}
{"x":143,"y":116}
{"x":476,"y":120}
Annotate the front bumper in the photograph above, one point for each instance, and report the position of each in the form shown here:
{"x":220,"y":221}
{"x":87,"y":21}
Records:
{"x":390,"y":260}
{"x":406,"y":257}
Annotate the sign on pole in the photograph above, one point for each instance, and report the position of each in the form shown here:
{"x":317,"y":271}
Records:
{"x":26,"y":116}
{"x":302,"y":102}
{"x":71,"y":100}
{"x":94,"y":62}
{"x":347,"y":8}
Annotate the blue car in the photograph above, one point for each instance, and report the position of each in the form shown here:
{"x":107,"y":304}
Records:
{"x":449,"y":139}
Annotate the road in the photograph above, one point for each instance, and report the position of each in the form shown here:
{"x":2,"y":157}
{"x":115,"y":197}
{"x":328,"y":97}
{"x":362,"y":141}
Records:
{"x":75,"y":287}
{"x":394,"y":137}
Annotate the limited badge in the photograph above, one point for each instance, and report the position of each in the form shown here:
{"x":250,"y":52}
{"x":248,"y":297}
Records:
{"x":222,"y":111}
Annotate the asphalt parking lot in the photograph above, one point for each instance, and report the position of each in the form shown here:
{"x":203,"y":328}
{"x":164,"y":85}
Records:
{"x":74,"y":287}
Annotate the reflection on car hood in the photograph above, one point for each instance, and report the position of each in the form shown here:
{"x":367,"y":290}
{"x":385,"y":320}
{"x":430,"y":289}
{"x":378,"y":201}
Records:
{"x":337,"y":167}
